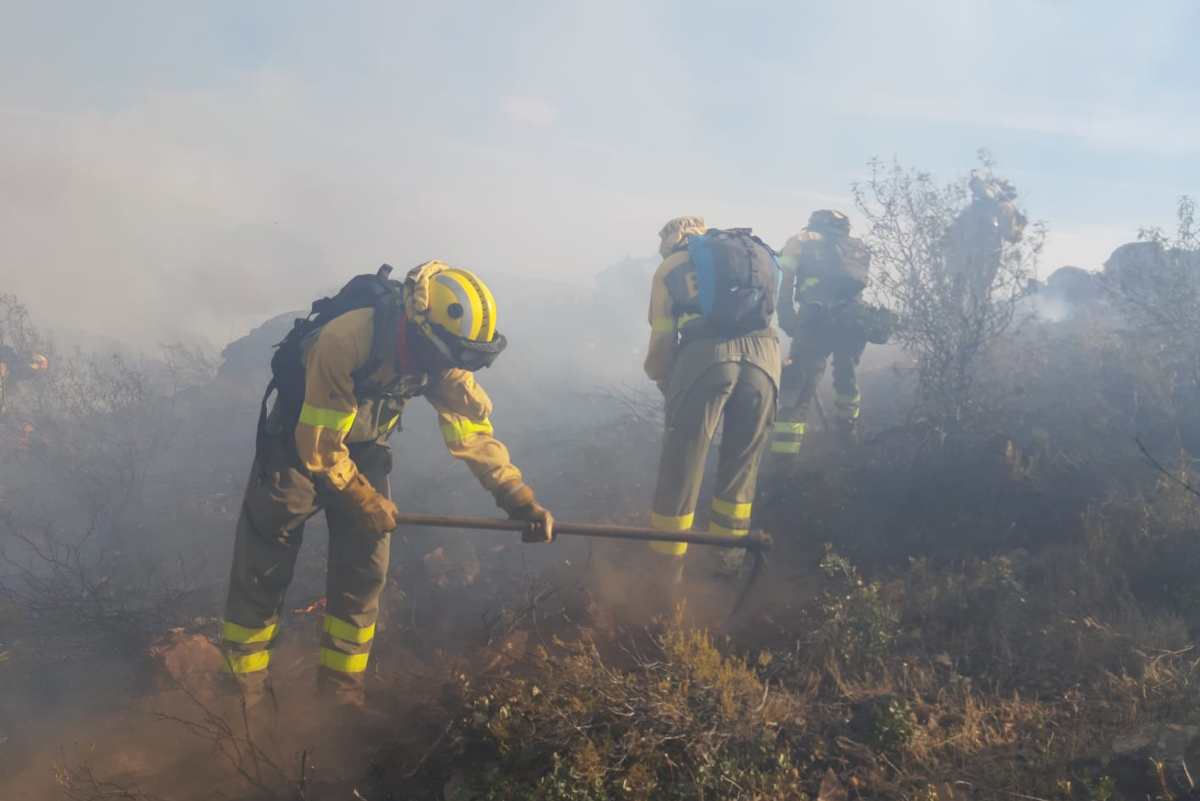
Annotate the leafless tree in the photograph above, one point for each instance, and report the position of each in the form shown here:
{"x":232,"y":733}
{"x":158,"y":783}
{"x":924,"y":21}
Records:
{"x":949,"y":312}
{"x":1159,"y":290}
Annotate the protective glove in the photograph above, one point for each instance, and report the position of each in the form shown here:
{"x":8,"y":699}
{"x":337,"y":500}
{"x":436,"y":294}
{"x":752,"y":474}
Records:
{"x":541,"y":522}
{"x":367,"y":506}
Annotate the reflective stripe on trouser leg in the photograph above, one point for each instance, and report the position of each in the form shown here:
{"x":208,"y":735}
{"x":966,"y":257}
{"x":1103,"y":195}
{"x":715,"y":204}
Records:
{"x":788,"y":437}
{"x":671,"y":523}
{"x":245,"y":649}
{"x":279,"y":497}
{"x":696,"y":400}
{"x":346,"y":648}
{"x":357,"y":572}
{"x":848,"y":406}
{"x":729,"y":517}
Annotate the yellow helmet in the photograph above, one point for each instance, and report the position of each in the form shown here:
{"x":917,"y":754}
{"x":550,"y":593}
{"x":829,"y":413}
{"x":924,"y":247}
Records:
{"x":456,"y":312}
{"x":463,"y":305}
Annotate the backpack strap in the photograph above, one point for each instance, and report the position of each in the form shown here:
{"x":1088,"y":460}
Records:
{"x":389,"y":308}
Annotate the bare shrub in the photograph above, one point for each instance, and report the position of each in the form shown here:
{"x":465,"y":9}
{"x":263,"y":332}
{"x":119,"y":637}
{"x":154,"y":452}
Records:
{"x":950,"y":312}
{"x":1156,"y":283}
{"x":84,"y":511}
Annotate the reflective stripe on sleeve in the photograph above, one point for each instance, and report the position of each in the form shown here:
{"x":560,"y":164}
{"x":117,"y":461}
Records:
{"x":785,"y":447}
{"x":247,"y":663}
{"x":807,"y":284}
{"x":331,"y":419}
{"x":663,"y":325}
{"x":232,"y":632}
{"x":787,"y":427}
{"x":343,"y":663}
{"x":459,"y":429}
{"x":341,"y":630}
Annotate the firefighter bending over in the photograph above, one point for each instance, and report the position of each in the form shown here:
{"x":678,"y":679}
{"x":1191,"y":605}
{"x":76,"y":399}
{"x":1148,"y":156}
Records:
{"x":342,"y":378}
{"x":713,"y":354}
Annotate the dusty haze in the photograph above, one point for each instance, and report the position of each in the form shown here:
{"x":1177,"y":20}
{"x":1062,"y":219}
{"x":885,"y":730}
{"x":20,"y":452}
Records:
{"x":185,"y":174}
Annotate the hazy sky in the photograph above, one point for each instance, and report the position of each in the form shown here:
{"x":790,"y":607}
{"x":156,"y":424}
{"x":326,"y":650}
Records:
{"x":174,"y":167}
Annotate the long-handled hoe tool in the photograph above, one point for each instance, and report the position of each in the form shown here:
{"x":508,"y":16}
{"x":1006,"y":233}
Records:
{"x":757,"y":543}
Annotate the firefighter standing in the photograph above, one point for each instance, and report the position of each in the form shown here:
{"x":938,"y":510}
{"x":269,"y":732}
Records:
{"x":709,"y":371}
{"x":976,"y":239}
{"x":15,"y":367}
{"x":821,"y":309}
{"x":342,"y":387}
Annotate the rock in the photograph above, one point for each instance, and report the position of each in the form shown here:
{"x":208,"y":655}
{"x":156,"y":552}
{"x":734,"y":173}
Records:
{"x":1153,"y":760}
{"x":189,"y":660}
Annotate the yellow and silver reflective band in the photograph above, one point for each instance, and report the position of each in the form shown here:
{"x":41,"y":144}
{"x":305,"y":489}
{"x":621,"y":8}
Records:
{"x":341,"y":630}
{"x":232,"y":632}
{"x":246,"y":663}
{"x":459,"y":429}
{"x":331,"y":419}
{"x":807,"y":284}
{"x":668,"y":523}
{"x":730,"y":518}
{"x":848,"y":406}
{"x":344,"y":663}
{"x":671,"y":523}
{"x":731,"y":509}
{"x":667,"y":325}
{"x":716,"y":528}
{"x":662,"y":325}
{"x":789,"y":436}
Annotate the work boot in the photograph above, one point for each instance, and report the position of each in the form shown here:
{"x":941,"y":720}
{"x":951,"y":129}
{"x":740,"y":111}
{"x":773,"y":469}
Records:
{"x":730,"y":562}
{"x":671,"y":582}
{"x":343,"y":704}
{"x":847,"y":433}
{"x":663,"y":578}
{"x":249,"y":709}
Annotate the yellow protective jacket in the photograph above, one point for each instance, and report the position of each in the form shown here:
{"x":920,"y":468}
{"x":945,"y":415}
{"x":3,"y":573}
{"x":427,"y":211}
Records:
{"x":334,"y":414}
{"x":663,"y":323}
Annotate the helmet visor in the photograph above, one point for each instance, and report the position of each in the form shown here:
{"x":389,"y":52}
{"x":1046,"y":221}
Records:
{"x":467,"y":354}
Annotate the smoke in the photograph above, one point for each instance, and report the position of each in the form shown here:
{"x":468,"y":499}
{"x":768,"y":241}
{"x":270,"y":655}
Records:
{"x":209,"y":169}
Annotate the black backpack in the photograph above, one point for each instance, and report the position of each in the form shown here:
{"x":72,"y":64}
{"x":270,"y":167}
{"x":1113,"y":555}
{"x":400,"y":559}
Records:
{"x":730,"y":279}
{"x":369,"y":291}
{"x":843,"y":265}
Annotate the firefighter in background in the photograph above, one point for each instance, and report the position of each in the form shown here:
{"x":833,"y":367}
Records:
{"x":342,"y":378}
{"x":976,"y":239}
{"x":712,"y":363}
{"x":824,"y":273}
{"x":15,"y":367}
